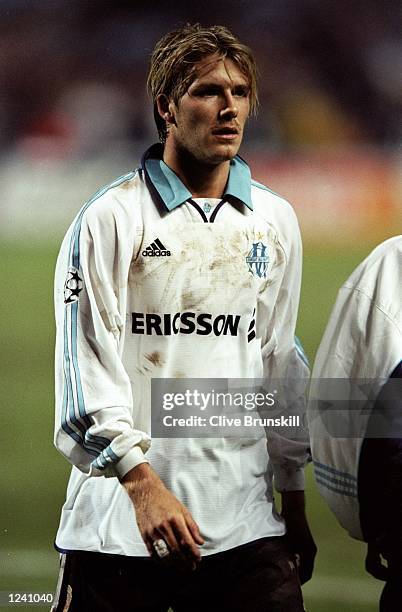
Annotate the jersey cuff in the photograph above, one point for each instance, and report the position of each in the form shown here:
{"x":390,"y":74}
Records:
{"x":286,"y":480}
{"x":134,"y":457}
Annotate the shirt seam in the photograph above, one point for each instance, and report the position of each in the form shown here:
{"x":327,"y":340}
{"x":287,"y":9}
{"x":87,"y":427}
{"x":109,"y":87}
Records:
{"x":375,"y":304}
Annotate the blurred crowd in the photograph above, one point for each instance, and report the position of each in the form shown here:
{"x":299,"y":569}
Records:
{"x":73,"y":72}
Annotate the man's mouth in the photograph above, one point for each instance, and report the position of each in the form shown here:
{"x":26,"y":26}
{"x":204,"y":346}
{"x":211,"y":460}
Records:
{"x":226,"y":132}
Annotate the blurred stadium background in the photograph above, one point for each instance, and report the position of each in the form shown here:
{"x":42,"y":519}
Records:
{"x":74,"y":115}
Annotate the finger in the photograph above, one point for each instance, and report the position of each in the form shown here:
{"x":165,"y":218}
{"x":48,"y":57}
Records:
{"x":166,"y":532}
{"x":148,"y":541}
{"x":193,"y":528}
{"x":187,"y":544}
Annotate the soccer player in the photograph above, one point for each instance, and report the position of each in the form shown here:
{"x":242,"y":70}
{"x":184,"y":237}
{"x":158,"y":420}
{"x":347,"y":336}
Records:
{"x":357,"y":444}
{"x":186,"y":268}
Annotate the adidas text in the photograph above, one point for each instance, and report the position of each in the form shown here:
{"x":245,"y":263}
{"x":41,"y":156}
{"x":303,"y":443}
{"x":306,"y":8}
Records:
{"x":156,"y":249}
{"x":156,"y":253}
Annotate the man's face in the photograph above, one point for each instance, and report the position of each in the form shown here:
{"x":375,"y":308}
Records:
{"x":209,"y":118}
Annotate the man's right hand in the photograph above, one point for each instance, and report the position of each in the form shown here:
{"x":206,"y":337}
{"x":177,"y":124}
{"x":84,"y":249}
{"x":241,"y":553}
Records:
{"x":160,"y":515}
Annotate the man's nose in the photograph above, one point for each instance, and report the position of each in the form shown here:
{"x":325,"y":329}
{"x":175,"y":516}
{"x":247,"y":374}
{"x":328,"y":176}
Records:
{"x":229,"y":109}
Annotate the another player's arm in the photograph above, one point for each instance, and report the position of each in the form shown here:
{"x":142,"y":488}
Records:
{"x":287,"y":362}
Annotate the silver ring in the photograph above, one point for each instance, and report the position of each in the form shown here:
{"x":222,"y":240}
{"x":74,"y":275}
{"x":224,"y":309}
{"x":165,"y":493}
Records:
{"x":161,"y":548}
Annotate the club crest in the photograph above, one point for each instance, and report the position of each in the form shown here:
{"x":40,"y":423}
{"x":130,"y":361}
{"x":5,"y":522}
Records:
{"x":72,"y":286}
{"x":257,"y":260}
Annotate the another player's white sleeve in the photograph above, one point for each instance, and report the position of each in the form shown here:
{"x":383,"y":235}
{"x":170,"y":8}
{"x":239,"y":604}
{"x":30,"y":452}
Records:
{"x":94,"y":425}
{"x":285,"y":360}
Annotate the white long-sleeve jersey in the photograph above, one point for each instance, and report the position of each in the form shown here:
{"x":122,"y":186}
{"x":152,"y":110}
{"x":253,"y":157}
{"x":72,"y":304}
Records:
{"x":148,"y":286}
{"x":362,"y":342}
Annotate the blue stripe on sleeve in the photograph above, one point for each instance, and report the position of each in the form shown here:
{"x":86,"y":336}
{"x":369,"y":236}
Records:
{"x":106,"y":458}
{"x":69,"y":404}
{"x":75,"y":409}
{"x":300,"y":351}
{"x":339,"y":482}
{"x":332,"y":470}
{"x":334,"y":481}
{"x":336,"y":489}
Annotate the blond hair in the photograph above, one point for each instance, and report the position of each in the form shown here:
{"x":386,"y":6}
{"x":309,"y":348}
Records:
{"x":175,"y":55}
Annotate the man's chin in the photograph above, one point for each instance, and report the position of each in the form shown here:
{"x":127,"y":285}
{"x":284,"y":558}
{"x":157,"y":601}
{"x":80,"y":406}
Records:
{"x":223,"y":153}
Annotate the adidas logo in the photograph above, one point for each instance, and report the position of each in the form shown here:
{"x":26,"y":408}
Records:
{"x":156,"y":249}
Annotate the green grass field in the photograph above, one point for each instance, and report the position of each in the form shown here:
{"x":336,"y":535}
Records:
{"x":33,"y":475}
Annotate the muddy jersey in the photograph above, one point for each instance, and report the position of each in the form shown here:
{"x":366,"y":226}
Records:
{"x":151,"y":283}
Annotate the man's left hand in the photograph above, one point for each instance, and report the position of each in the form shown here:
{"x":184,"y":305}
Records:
{"x":298,"y":534}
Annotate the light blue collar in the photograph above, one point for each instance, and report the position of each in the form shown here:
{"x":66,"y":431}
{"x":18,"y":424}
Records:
{"x":170,"y":189}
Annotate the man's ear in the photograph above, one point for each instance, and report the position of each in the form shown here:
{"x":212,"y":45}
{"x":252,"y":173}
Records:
{"x":165,"y":108}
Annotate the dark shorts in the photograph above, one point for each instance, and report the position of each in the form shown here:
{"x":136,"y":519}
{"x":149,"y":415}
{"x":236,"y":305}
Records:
{"x":260,"y":576}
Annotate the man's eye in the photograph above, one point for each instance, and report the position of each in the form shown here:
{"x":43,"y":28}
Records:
{"x":241,"y":92}
{"x":209,"y":91}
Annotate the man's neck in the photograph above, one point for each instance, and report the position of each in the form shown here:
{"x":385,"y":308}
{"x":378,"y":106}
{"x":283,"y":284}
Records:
{"x":202,"y":180}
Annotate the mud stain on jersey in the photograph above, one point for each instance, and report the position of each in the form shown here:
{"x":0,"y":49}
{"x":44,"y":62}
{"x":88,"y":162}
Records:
{"x":155,"y":358}
{"x":189,"y":301}
{"x":126,"y":185}
{"x":137,"y":267}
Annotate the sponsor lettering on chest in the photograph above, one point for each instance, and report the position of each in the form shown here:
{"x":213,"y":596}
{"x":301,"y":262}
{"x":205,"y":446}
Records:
{"x":167,"y":324}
